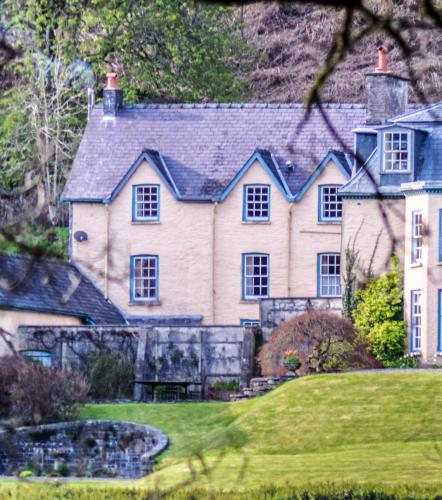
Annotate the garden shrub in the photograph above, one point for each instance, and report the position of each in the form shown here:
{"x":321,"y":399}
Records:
{"x":231,"y":385}
{"x":378,"y":315}
{"x":33,"y":394}
{"x":324,"y":341}
{"x":110,"y":375}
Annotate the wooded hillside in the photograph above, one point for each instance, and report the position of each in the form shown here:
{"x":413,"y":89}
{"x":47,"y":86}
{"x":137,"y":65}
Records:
{"x":293,"y":41}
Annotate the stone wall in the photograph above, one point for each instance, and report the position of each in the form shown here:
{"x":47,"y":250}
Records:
{"x":192,"y":354}
{"x":274,"y":311}
{"x":89,"y":448}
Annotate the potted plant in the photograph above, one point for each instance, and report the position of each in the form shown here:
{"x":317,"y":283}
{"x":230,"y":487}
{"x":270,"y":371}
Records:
{"x":292,"y":361}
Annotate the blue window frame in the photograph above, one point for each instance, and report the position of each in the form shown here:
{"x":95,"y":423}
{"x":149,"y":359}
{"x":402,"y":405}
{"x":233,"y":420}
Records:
{"x":144,"y":278}
{"x":329,"y":275}
{"x":255,"y":276}
{"x":256,"y":203}
{"x":146,"y":202}
{"x":42,"y":357}
{"x":330,"y":203}
{"x":416,"y":321}
{"x":250,"y":322}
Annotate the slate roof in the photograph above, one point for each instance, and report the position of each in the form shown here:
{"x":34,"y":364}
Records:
{"x":427,"y":165}
{"x":52,"y":286}
{"x":201,"y":147}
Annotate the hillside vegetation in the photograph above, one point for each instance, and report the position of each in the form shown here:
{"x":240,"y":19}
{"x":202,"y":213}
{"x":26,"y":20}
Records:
{"x":381,"y":428}
{"x":294,"y":39}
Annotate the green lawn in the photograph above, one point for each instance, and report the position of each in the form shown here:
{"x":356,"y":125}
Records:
{"x":378,"y":428}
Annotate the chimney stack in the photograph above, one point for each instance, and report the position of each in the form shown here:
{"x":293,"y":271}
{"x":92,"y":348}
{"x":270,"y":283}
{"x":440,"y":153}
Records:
{"x":387,"y":94}
{"x":112,"y":96}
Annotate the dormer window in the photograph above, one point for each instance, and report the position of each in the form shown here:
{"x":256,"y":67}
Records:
{"x":396,"y":152}
{"x":256,"y":203}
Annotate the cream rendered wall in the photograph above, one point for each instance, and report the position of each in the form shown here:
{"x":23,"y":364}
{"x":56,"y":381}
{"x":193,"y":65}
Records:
{"x":181,"y":239}
{"x":364,"y":218}
{"x":198,"y":255}
{"x":415,"y":275}
{"x":235,"y":237}
{"x":90,"y":254}
{"x":426,"y":277}
{"x":434,"y":279}
{"x":310,"y":236}
{"x":10,"y":320}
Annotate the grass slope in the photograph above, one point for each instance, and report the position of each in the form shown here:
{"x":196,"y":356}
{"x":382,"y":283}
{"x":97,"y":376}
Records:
{"x":382,"y":428}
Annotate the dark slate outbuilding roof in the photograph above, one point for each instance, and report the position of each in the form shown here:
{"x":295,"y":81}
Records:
{"x":201,"y":147}
{"x":51,"y":286}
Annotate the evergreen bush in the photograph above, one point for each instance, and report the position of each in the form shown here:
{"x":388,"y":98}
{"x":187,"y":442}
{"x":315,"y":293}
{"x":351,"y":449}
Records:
{"x":110,"y":375}
{"x":378,"y":315}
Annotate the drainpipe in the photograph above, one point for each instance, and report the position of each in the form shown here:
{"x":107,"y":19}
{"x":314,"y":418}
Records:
{"x":289,"y":250}
{"x":213,"y":262}
{"x":106,"y":257}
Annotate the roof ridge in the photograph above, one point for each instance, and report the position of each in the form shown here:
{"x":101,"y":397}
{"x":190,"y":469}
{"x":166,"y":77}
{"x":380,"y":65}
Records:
{"x":239,"y":105}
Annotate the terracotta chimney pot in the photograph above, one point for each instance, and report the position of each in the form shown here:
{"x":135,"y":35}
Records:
{"x":383,"y":62}
{"x":112,"y":81}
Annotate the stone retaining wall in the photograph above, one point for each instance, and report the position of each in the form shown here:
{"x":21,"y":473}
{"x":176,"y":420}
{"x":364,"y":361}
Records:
{"x":199,"y":354}
{"x":82,"y":448}
{"x":274,"y":311}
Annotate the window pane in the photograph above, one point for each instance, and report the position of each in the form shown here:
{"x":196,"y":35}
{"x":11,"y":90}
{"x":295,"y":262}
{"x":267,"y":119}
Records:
{"x":396,"y":151}
{"x":329,"y":278}
{"x":331,"y":203}
{"x":416,"y":320}
{"x":257,"y":202}
{"x":146,"y":202}
{"x":145,"y":276}
{"x":256,"y":276}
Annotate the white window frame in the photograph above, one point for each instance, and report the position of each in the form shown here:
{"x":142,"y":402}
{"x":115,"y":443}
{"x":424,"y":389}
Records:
{"x":145,"y":194}
{"x":250,"y":278}
{"x":416,"y":236}
{"x":257,"y":192}
{"x":147,"y":282}
{"x":394,"y":152}
{"x":334,"y":204}
{"x":416,"y":320}
{"x":329,"y":285}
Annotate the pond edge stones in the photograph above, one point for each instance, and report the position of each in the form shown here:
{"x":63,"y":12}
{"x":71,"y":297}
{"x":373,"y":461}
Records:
{"x":83,"y":448}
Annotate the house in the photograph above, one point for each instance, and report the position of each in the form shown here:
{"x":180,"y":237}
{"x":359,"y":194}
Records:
{"x":194,"y":213}
{"x":393,"y":204}
{"x":48,"y":292}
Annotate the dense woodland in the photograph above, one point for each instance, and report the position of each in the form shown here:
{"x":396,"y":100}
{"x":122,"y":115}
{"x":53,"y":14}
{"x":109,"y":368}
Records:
{"x":167,"y":51}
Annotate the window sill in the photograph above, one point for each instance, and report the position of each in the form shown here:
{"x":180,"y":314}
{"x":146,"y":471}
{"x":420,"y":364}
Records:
{"x":138,"y":222}
{"x":416,"y":264}
{"x":251,"y":301}
{"x":145,"y":303}
{"x":264,"y":222}
{"x":329,"y":222}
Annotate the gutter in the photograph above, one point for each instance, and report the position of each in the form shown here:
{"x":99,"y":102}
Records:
{"x":213,"y":262}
